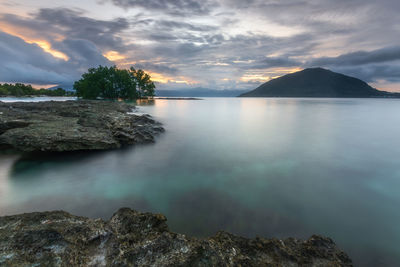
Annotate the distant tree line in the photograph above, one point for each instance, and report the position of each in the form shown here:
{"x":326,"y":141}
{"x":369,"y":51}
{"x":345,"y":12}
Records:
{"x":113,"y":83}
{"x":97,"y":83}
{"x":20,"y":89}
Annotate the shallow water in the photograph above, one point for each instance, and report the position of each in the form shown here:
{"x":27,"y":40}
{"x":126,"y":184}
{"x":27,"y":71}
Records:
{"x":268,"y":167}
{"x":36,"y":99}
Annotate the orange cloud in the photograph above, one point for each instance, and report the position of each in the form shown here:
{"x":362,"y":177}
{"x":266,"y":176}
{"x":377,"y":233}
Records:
{"x":266,"y":75}
{"x":160,"y":78}
{"x":24,"y":35}
{"x":114,"y":56}
{"x":46,"y":46}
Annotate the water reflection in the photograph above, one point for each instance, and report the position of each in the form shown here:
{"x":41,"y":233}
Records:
{"x":268,"y":167}
{"x":7,"y":160}
{"x":204,"y":211}
{"x":145,"y":102}
{"x":35,"y":162}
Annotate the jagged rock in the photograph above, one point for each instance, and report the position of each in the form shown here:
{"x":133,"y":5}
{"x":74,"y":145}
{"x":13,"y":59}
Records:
{"x":131,"y":238}
{"x":73,"y":125}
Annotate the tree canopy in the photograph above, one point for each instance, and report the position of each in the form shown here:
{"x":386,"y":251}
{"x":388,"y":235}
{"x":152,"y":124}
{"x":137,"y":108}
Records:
{"x":20,"y":89}
{"x":113,"y":83}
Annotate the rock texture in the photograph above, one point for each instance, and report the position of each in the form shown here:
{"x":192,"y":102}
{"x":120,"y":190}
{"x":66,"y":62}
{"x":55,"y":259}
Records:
{"x":131,"y":238}
{"x":73,"y":125}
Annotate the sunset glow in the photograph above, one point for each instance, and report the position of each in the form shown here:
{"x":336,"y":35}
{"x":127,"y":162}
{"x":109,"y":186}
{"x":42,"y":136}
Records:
{"x":200,"y":44}
{"x":160,"y":78}
{"x":47,"y":47}
{"x":114,"y":56}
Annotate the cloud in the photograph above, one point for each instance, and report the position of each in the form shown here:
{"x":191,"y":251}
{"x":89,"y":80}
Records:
{"x":173,"y":25}
{"x":67,"y":31}
{"x":220,"y":43}
{"x":61,"y":23}
{"x":23,"y":62}
{"x":371,"y":66}
{"x":387,"y":54}
{"x":173,"y":7}
{"x":275,"y":62}
{"x":75,"y":25}
{"x":375,"y":73}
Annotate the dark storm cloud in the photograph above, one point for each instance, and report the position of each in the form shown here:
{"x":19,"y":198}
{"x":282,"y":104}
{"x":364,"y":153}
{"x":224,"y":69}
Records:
{"x":82,"y":53}
{"x":386,"y":54}
{"x":73,"y":24}
{"x":372,"y":73}
{"x":273,"y":62}
{"x":370,"y":66}
{"x":173,"y":7}
{"x":23,"y":62}
{"x":82,"y":39}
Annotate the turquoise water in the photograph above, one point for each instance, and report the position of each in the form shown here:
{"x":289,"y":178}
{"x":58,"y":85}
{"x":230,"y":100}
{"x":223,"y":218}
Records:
{"x":267,"y":167}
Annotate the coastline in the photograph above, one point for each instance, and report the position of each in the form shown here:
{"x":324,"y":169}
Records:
{"x":178,"y":98}
{"x":60,"y":126}
{"x":132,"y":238}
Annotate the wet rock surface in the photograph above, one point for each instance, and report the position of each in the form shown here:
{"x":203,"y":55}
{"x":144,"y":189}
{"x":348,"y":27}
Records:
{"x":73,"y":125}
{"x":131,"y":238}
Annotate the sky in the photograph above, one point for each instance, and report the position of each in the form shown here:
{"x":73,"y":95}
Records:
{"x":215,"y":44}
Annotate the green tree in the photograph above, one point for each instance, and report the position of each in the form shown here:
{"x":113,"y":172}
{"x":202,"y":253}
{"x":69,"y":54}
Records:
{"x":145,"y":86}
{"x":3,"y":90}
{"x":114,"y":83}
{"x":20,"y":89}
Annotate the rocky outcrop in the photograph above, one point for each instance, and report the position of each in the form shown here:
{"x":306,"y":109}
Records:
{"x":131,"y":238}
{"x":73,"y":125}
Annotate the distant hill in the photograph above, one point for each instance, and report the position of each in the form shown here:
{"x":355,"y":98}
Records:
{"x":198,"y":92}
{"x":317,"y":82}
{"x":66,"y":87}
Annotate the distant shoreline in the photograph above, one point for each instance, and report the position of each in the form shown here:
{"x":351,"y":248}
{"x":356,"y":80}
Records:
{"x":326,"y":97}
{"x":32,"y":96}
{"x":178,"y":98}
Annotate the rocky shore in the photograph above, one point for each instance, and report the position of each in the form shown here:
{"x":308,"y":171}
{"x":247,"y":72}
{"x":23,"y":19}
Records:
{"x":73,"y":125}
{"x":131,"y":238}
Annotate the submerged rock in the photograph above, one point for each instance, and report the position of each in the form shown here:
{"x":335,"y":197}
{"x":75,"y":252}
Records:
{"x":73,"y":125}
{"x":131,"y":238}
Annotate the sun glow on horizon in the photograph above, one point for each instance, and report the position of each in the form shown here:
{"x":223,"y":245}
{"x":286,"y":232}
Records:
{"x":160,"y":78}
{"x":267,"y":75}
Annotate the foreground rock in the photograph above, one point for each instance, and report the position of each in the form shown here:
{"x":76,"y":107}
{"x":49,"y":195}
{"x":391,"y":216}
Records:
{"x":131,"y":238}
{"x":73,"y":125}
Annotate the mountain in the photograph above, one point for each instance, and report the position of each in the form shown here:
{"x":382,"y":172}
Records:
{"x":198,"y":92}
{"x":317,"y":82}
{"x":65,"y":86}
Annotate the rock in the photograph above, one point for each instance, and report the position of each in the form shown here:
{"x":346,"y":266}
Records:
{"x":132,"y":238}
{"x":73,"y":125}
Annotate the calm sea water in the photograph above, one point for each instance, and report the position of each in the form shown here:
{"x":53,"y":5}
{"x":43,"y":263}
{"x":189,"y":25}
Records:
{"x":267,"y":167}
{"x":36,"y":99}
